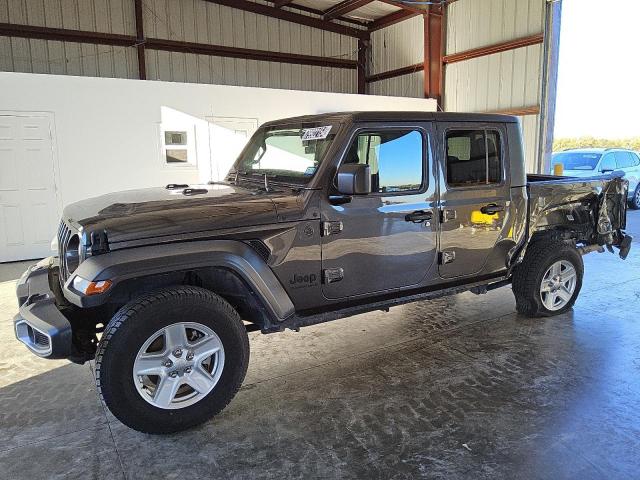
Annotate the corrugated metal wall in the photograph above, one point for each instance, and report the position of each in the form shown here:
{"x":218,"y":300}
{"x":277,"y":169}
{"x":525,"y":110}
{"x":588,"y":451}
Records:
{"x":503,"y":81}
{"x":473,"y":23}
{"x":202,"y":22}
{"x":188,"y":20}
{"x":397,"y":46}
{"x":66,"y":58}
{"x":531,"y":134}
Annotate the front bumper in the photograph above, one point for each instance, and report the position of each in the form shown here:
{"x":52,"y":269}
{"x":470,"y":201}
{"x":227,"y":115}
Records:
{"x":39,"y":323}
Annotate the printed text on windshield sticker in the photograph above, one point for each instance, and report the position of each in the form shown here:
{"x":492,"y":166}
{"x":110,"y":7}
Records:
{"x":317,"y":133}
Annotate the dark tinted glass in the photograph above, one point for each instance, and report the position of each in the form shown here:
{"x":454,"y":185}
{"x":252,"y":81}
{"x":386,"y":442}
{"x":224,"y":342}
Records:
{"x":473,"y":157}
{"x":395,"y":158}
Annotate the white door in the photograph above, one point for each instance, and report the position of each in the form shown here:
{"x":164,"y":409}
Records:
{"x":227,"y":137}
{"x":28,"y":211}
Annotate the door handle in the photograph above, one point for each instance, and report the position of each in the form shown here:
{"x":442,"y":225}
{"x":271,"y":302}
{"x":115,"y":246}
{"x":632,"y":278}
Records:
{"x":419,"y":216}
{"x":492,"y":209}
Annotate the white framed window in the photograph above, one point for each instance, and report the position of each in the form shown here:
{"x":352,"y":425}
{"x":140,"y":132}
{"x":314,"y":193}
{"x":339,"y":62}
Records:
{"x":178,"y":146}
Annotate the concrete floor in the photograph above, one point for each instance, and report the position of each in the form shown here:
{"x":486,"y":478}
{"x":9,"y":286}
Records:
{"x":460,"y":387}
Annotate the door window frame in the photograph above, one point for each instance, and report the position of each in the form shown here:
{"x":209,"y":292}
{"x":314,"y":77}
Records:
{"x":426,"y":156}
{"x":503,"y":171}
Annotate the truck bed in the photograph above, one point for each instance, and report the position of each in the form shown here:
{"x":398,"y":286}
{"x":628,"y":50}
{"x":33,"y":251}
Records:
{"x":591,"y":210}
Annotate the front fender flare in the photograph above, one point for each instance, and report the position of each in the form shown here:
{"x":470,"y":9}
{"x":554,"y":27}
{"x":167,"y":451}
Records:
{"x":120,"y":265}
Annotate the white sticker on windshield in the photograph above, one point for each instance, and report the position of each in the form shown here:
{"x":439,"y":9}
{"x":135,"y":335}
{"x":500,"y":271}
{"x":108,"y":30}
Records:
{"x":317,"y":133}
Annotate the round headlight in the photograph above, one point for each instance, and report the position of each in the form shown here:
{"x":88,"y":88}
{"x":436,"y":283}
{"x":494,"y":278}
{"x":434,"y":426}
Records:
{"x":72,"y":253}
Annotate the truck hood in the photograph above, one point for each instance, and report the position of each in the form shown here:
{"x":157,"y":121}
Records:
{"x":156,"y":212}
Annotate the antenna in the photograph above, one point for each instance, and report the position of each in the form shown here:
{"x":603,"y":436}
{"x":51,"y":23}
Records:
{"x":266,"y":183}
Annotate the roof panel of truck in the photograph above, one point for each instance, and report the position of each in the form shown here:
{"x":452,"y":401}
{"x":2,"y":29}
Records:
{"x":399,"y":116}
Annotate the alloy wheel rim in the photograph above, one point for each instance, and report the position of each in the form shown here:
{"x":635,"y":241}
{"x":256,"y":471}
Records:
{"x":636,"y":198}
{"x":558,"y":285}
{"x":178,"y":365}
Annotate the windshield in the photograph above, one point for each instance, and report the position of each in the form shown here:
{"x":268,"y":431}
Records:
{"x":287,"y":152}
{"x":577,"y":160}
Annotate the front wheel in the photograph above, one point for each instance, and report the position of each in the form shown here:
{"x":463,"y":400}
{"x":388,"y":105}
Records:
{"x":548,"y":280}
{"x":171,"y":359}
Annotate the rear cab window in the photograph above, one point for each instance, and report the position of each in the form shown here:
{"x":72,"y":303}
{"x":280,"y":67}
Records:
{"x":473,"y":157}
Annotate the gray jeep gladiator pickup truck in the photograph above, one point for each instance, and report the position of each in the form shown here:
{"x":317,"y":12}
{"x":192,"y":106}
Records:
{"x":321,"y":217}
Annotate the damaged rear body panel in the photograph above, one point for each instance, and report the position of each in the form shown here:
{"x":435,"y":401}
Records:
{"x":589,"y":211}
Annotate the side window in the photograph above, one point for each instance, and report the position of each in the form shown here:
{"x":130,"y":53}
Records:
{"x":636,"y":159}
{"x":608,"y":163}
{"x":473,"y":157}
{"x":621,"y":159}
{"x":626,"y":159}
{"x":395,"y":158}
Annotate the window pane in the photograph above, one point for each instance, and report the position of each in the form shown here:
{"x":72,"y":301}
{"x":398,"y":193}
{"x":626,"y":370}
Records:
{"x":394,"y":157}
{"x":400,"y":162}
{"x":177,"y":156}
{"x":608,"y":162}
{"x":473,"y":157}
{"x":290,"y":153}
{"x":625,"y":159}
{"x":493,"y":155}
{"x":175,"y":138}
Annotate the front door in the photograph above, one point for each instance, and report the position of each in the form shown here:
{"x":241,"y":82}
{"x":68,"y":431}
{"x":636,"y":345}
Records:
{"x":28,"y":205}
{"x":474,"y":196}
{"x":383,"y":240}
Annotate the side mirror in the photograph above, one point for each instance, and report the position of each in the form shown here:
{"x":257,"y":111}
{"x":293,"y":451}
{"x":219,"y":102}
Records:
{"x":354,"y":179}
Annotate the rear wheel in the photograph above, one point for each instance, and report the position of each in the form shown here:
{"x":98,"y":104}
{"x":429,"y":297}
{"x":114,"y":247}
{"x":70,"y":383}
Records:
{"x":635,"y":201}
{"x":548,"y":280}
{"x":171,"y":359}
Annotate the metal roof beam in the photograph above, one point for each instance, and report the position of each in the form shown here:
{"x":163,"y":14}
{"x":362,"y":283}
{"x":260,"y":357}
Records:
{"x":64,"y":35}
{"x":293,"y":17}
{"x":390,"y":19}
{"x":404,"y":6}
{"x":98,"y":38}
{"x":343,"y":8}
{"x":281,"y":3}
{"x":495,"y":48}
{"x":247,"y":53}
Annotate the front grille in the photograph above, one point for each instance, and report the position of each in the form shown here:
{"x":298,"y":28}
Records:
{"x":64,"y":233}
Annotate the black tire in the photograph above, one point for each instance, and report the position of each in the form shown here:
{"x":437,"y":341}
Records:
{"x":528,"y":276}
{"x":134,"y":323}
{"x":635,"y":200}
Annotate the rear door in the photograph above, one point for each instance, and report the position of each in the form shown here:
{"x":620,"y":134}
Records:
{"x":387,"y":239}
{"x":474,"y":195}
